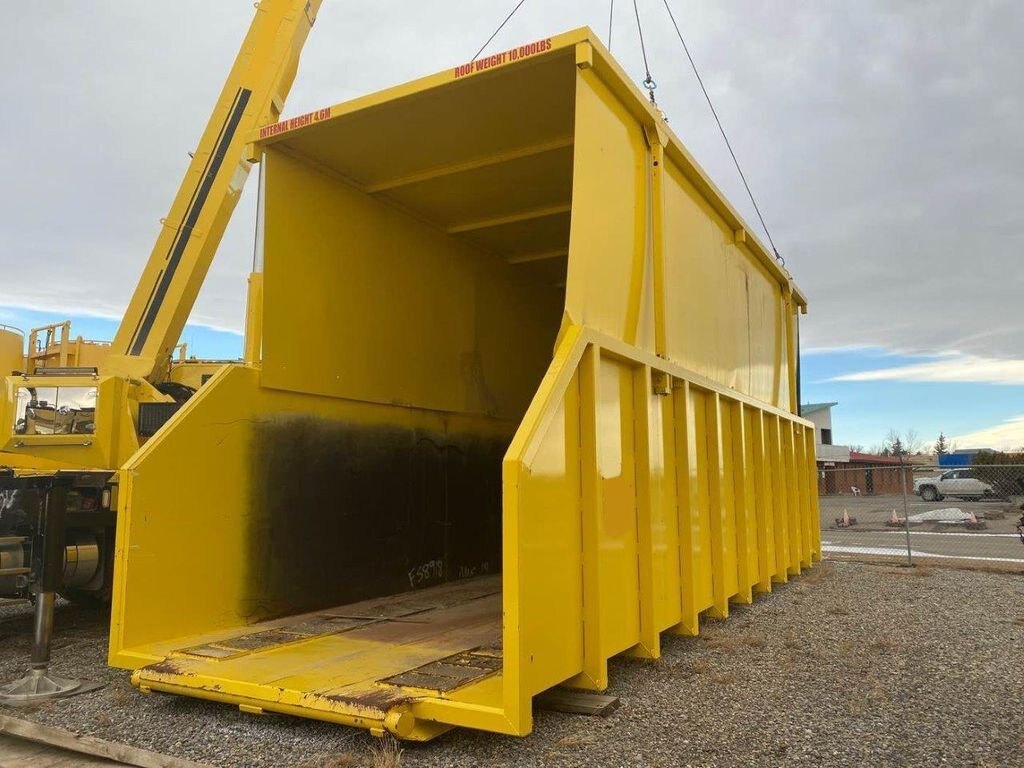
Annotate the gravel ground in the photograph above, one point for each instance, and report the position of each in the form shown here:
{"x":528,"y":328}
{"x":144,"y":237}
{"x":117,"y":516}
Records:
{"x":851,"y":664}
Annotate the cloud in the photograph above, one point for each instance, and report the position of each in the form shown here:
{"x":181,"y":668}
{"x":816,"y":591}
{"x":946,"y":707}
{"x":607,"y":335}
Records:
{"x":953,"y":368}
{"x":1007,"y":436}
{"x":806,"y":351}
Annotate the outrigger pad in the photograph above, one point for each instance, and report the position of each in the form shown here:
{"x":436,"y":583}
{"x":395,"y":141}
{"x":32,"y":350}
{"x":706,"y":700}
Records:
{"x":39,"y":685}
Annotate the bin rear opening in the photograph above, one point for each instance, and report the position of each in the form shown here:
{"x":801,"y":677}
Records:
{"x":415,"y":266}
{"x":415,"y":257}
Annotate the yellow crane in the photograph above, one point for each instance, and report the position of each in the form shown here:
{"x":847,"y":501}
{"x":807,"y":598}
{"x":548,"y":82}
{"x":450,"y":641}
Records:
{"x":53,"y":346}
{"x":63,"y":430}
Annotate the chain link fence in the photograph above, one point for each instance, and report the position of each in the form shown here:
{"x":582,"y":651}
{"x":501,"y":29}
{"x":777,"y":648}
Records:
{"x":920,"y":514}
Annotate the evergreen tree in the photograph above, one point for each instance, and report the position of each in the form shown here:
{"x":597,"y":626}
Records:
{"x":941,"y":446}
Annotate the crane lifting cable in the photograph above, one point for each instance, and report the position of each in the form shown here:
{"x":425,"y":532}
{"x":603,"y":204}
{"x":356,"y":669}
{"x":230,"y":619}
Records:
{"x":500,"y":27}
{"x":648,"y":82}
{"x":721,"y":129}
{"x":611,"y":17}
{"x":650,"y":85}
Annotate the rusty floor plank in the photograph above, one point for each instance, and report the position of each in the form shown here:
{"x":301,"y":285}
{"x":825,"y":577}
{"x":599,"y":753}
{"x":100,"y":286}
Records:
{"x":362,"y":656}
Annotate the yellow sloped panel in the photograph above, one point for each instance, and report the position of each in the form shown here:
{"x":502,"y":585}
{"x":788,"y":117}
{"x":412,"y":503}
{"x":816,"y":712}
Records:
{"x":608,"y":243}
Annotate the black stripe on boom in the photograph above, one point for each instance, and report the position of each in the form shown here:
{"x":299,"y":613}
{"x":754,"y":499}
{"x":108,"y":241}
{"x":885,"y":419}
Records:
{"x":191,"y":217}
{"x":181,"y":225}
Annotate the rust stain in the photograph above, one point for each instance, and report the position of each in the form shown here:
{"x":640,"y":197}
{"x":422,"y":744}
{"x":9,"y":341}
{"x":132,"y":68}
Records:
{"x":165,"y":667}
{"x":376,"y":700}
{"x":448,"y":673}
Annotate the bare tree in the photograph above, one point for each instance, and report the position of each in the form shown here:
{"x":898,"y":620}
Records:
{"x":912,"y":441}
{"x":902,"y":444}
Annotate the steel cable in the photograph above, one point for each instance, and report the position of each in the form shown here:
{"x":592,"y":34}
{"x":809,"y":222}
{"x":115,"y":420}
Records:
{"x":500,"y":27}
{"x":721,"y":130}
{"x":611,"y":16}
{"x":648,"y":83}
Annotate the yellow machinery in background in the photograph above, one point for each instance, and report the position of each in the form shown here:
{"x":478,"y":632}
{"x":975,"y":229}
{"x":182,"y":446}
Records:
{"x":193,"y":372}
{"x":53,"y":347}
{"x":48,"y":347}
{"x":552,"y":414}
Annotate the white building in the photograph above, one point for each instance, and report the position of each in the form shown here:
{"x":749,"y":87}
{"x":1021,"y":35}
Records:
{"x":827,"y":453}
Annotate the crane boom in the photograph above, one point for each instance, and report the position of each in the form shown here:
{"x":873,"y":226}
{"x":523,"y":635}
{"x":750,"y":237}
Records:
{"x":253,"y":96}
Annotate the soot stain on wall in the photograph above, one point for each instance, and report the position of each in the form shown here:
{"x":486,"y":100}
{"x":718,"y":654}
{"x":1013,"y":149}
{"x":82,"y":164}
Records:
{"x":344,"y":512}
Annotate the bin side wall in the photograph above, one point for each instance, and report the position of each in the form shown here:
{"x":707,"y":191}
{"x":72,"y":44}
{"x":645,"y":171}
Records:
{"x":639,"y":497}
{"x":726,"y":317}
{"x":363,"y":301}
{"x":608,"y":249}
{"x":242,"y":512}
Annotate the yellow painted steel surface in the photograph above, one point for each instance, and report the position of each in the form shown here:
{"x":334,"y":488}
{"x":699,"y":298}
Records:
{"x":52,"y":346}
{"x":505,"y":318}
{"x":12,"y":350}
{"x":195,"y":373}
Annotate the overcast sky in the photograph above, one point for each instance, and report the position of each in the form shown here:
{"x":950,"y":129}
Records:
{"x":882,"y":140}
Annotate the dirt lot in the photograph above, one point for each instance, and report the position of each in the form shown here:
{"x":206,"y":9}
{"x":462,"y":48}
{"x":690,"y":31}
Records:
{"x":852,"y":664}
{"x":1000,"y":516}
{"x":994,"y":542}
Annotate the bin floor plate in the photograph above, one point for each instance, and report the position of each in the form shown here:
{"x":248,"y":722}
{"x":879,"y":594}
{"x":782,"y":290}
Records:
{"x":357,"y":660}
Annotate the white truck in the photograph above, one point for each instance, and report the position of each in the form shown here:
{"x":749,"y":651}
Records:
{"x":959,"y":483}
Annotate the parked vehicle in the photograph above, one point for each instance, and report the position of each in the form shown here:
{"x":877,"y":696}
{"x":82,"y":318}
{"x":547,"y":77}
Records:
{"x":959,"y":483}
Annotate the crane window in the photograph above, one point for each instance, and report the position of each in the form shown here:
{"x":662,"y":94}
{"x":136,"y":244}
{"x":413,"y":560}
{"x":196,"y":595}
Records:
{"x":55,"y":411}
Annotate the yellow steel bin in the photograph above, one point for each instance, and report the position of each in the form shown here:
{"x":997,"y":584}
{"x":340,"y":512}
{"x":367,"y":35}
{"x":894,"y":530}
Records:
{"x":526,"y":401}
